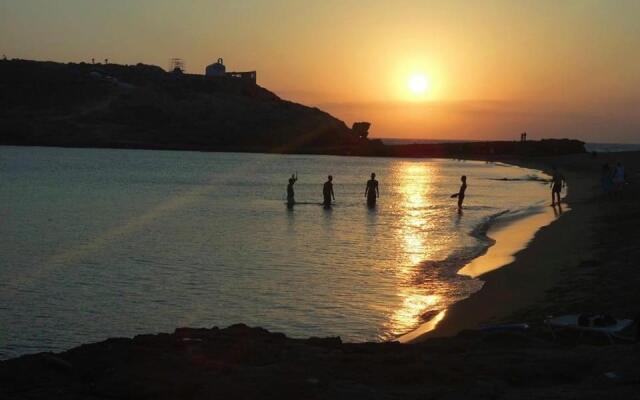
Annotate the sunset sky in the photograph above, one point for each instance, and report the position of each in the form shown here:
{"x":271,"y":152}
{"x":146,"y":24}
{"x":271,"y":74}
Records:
{"x":489,"y":69}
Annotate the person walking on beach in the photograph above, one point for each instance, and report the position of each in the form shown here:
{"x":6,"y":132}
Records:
{"x":371,"y":192}
{"x":461,"y":192}
{"x":290,"y":193}
{"x":618,"y":177}
{"x":557,"y":183}
{"x":327,"y":192}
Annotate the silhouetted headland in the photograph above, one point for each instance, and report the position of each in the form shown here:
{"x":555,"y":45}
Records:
{"x":143,"y":106}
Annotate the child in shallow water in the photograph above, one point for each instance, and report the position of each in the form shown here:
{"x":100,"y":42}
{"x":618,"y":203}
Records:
{"x":461,"y":192}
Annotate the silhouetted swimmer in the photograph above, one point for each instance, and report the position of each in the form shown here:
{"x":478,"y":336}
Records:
{"x":372,"y":192}
{"x":460,"y":194}
{"x":290,"y":193}
{"x":327,"y":192}
{"x":557,"y":183}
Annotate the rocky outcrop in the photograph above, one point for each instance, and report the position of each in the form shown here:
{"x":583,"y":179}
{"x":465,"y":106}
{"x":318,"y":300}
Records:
{"x":361,"y":129}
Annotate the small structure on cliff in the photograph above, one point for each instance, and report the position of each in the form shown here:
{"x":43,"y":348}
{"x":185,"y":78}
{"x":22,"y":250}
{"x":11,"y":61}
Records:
{"x":219,"y":70}
{"x":216,"y":69}
{"x":176,"y":65}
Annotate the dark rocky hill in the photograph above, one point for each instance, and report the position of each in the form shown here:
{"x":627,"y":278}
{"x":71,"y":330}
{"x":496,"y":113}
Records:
{"x":142,"y":106}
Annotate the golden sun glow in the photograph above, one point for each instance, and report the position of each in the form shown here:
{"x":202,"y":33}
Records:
{"x":418,"y":84}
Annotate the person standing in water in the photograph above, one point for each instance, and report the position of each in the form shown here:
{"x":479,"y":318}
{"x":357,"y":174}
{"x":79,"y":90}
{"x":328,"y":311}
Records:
{"x":460,"y":194}
{"x":463,"y":189}
{"x":327,"y":192}
{"x":557,"y":183}
{"x":371,"y":192}
{"x":290,"y":193}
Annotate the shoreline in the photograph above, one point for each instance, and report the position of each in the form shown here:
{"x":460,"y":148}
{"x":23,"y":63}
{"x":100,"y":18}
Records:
{"x":529,"y":271}
{"x":510,"y":235}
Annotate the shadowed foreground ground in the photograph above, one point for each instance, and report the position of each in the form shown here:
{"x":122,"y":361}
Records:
{"x":242,"y":362}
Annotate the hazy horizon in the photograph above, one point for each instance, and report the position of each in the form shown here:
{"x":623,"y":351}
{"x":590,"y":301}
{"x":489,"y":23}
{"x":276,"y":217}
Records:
{"x":490,"y":70}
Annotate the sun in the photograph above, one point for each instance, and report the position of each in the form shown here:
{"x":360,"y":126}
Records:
{"x":418,"y":84}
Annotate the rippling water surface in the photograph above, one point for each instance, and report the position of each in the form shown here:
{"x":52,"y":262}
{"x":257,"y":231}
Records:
{"x":102,"y":243}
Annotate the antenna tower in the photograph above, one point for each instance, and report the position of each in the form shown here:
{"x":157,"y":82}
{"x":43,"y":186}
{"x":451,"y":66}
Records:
{"x":176,"y":65}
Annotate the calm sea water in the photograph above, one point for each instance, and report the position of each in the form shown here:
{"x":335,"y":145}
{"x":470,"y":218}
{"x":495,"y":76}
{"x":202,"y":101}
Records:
{"x":101,"y":243}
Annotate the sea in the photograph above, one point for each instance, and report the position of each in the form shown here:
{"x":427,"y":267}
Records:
{"x":100,"y":243}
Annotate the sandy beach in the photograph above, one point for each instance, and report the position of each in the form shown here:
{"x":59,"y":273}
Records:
{"x":583,"y":262}
{"x":601,"y":272}
{"x":563,"y":269}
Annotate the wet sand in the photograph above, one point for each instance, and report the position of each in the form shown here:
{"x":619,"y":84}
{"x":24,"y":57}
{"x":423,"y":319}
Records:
{"x":510,"y":237}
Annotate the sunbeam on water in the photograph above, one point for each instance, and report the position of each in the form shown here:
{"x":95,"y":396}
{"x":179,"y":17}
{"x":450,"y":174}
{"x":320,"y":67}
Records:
{"x":102,"y":243}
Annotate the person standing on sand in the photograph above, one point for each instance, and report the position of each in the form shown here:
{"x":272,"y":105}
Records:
{"x":461,"y":192}
{"x":371,"y":192}
{"x":557,"y":183}
{"x":290,"y":193}
{"x":327,"y":192}
{"x":618,"y":177}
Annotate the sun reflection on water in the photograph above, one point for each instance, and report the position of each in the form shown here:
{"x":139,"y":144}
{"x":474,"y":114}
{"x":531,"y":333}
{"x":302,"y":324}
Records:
{"x":410,"y":314}
{"x":415,"y":186}
{"x":415,"y":179}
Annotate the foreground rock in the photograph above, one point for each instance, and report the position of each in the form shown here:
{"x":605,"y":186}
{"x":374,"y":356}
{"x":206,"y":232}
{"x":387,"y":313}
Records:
{"x":250,"y":363}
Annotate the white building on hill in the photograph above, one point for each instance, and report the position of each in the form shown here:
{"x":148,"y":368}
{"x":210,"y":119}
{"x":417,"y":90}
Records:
{"x":218,"y":70}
